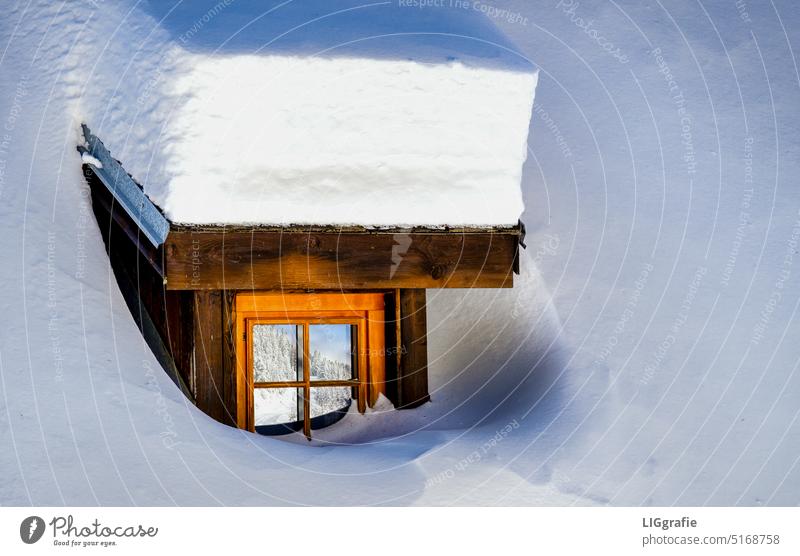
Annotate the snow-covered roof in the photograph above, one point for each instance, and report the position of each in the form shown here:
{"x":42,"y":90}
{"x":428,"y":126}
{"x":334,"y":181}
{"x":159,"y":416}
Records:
{"x":313,"y":112}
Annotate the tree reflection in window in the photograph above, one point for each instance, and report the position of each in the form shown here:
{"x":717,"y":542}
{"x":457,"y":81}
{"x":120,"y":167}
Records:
{"x":280,"y":382}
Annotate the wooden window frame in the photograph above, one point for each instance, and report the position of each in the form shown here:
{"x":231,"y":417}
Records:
{"x":363,"y":310}
{"x":359,"y":382}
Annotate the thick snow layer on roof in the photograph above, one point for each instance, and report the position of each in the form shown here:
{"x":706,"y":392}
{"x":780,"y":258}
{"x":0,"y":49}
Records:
{"x":322,"y":113}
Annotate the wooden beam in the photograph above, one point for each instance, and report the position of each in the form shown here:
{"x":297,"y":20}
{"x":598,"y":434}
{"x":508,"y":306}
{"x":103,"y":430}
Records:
{"x":229,"y":357}
{"x":412,"y":372}
{"x":392,"y":342}
{"x":376,"y":353}
{"x":275,"y":260}
{"x":208,"y":353}
{"x":176,"y":320}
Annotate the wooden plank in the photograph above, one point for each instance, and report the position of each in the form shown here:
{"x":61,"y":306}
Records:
{"x":392,"y":343}
{"x":243,"y":381}
{"x":271,"y":260}
{"x":229,"y":357}
{"x":363,"y":375}
{"x":377,"y":354}
{"x":208,"y":353}
{"x":178,"y":328}
{"x":311,"y":303}
{"x":412,"y":376}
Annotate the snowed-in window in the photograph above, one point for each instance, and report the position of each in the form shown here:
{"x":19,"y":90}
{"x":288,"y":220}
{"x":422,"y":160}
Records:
{"x":279,"y":352}
{"x":303,"y":359}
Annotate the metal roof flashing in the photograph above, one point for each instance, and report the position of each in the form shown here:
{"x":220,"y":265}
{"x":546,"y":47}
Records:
{"x":126,"y":192}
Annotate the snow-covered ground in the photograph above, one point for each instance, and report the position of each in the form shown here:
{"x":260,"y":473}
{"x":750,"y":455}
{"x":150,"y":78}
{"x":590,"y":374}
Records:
{"x":647,"y":355}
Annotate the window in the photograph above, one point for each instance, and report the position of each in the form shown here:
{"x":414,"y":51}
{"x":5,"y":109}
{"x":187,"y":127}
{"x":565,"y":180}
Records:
{"x":304,"y":368}
{"x":303,"y":359}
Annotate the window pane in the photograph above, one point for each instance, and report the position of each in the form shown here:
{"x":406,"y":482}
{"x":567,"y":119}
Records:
{"x":332,"y":401}
{"x":277,"y":352}
{"x":332,"y":351}
{"x":274,"y":406}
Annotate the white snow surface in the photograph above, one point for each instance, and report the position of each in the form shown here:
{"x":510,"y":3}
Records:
{"x":647,"y":355}
{"x":86,"y":158}
{"x":317,"y":112}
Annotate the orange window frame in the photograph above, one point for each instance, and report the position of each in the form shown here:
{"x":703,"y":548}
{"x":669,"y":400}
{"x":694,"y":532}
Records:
{"x":363,"y":310}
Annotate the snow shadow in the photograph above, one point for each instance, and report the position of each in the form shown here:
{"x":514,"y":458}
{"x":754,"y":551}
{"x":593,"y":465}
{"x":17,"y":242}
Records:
{"x":335,"y":28}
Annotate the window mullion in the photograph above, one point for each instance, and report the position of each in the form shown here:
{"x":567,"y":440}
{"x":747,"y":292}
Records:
{"x":361,"y":369}
{"x":306,"y":382}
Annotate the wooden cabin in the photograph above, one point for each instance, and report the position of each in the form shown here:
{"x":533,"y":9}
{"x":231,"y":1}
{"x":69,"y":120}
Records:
{"x":236,"y":315}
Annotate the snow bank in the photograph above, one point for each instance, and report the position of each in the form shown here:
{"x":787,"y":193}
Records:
{"x":325,"y":113}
